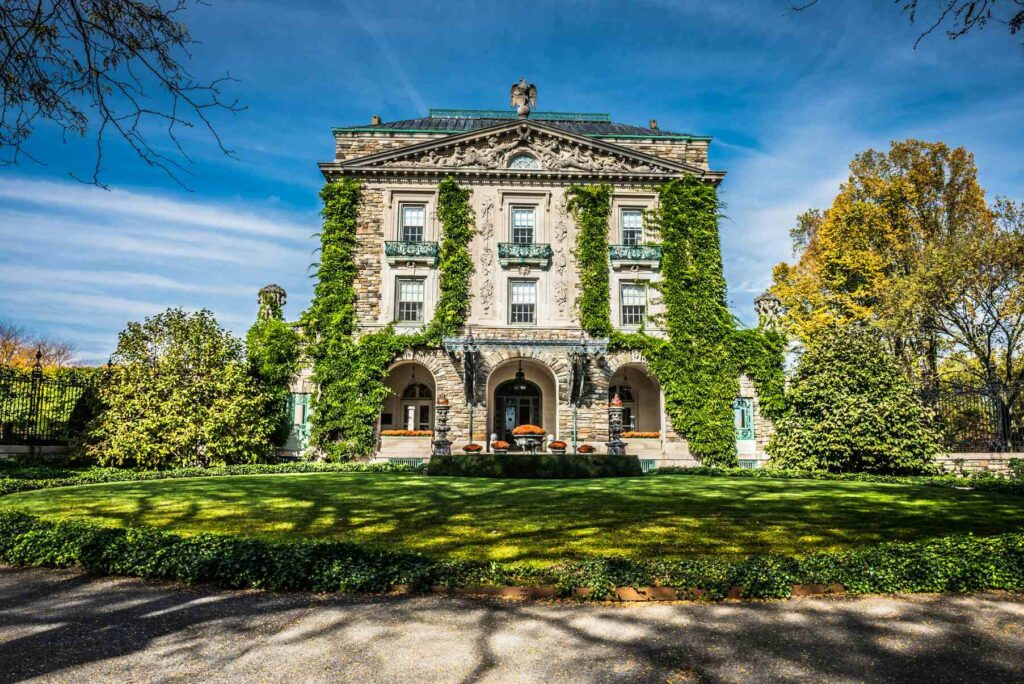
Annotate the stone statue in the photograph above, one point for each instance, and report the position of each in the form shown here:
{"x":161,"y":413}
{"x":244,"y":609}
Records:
{"x":524,"y":96}
{"x":768,"y":308}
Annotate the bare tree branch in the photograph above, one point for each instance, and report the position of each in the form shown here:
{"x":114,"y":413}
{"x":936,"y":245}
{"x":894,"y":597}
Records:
{"x":104,"y":67}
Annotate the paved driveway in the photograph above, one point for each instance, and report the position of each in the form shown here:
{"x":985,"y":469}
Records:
{"x":64,"y":626}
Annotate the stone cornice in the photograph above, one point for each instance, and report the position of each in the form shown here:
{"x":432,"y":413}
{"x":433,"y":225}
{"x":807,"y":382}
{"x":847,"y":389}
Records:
{"x":402,"y":162}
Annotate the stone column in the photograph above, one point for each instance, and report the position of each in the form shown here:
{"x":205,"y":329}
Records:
{"x":442,"y":446}
{"x":616,"y":447}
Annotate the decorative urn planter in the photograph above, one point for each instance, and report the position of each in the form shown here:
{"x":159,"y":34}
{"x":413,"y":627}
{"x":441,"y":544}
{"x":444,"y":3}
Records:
{"x":557,"y":447}
{"x":529,"y":437}
{"x":500,"y":447}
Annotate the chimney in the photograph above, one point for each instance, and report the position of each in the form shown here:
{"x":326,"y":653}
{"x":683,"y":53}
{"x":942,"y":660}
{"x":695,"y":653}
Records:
{"x":653,"y":125}
{"x":375,"y":120}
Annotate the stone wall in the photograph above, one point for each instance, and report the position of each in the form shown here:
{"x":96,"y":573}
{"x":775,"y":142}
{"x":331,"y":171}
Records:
{"x":692,"y":152}
{"x":967,"y":463}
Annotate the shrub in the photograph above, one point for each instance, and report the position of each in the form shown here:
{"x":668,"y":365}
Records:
{"x":585,"y":449}
{"x":406,"y":433}
{"x":179,"y":394}
{"x":851,"y":409}
{"x":528,"y":430}
{"x":1017,"y":468}
{"x":957,"y":563}
{"x":500,"y":444}
{"x":535,"y":466}
{"x":472,"y":448}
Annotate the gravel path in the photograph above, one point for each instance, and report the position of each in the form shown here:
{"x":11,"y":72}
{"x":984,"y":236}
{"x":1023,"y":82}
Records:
{"x":65,"y":626}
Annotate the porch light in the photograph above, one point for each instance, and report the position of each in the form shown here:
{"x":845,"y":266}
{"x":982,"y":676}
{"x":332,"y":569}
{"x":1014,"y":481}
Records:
{"x":520,"y":383}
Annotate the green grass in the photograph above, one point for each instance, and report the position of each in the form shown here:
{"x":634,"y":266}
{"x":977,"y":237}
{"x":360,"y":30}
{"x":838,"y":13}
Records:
{"x":539,"y":521}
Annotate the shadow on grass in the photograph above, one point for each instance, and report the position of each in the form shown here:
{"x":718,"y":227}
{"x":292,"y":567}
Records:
{"x":541,"y":521}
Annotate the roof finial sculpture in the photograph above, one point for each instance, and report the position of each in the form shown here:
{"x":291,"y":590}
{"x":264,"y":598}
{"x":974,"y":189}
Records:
{"x":524,"y":96}
{"x":768,"y":308}
{"x":271,"y":299}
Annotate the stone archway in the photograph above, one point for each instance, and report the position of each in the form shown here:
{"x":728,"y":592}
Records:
{"x":410,"y":405}
{"x":537,"y":399}
{"x":641,"y":397}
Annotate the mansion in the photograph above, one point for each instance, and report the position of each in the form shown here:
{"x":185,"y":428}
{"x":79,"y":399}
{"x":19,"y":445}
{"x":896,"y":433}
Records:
{"x":522,"y":357}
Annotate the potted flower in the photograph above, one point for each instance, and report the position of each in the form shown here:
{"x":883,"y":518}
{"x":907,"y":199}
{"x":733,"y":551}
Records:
{"x":636,"y":434}
{"x":406,"y":433}
{"x":557,"y":447}
{"x":585,"y":449}
{"x":500,"y":446}
{"x":472,"y":448}
{"x":529,"y":436}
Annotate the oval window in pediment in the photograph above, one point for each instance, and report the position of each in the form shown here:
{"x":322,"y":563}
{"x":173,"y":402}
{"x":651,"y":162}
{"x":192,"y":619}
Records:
{"x":523,"y":161}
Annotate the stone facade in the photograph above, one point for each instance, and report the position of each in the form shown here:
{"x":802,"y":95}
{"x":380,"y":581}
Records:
{"x":515,"y":166}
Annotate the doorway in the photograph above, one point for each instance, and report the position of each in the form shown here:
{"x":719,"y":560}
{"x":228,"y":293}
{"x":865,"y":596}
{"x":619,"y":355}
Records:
{"x":518,"y":402}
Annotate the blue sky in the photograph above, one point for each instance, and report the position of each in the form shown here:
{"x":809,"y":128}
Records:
{"x":788,"y":97}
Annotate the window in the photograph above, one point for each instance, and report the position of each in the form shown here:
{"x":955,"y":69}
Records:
{"x":410,"y":300}
{"x":523,"y":224}
{"x":632,"y":221}
{"x":523,"y":161}
{"x":743,"y":413}
{"x":634,"y":303}
{"x":412,"y":220}
{"x":522,"y":301}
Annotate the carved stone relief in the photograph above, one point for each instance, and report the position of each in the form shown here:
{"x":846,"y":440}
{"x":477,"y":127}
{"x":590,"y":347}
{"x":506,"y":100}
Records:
{"x":487,"y":256}
{"x":493,"y":152}
{"x":560,"y":262}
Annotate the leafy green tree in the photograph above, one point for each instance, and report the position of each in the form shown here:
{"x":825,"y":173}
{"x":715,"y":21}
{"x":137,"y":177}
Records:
{"x":851,"y":409}
{"x":272,"y":349}
{"x":179,"y":394}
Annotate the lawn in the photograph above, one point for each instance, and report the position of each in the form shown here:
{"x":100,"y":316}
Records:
{"x":539,"y":521}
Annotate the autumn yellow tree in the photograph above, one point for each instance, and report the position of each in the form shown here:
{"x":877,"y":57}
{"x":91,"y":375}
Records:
{"x":854,"y":260}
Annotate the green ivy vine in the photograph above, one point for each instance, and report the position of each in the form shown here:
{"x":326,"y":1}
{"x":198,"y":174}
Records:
{"x":351,"y":371}
{"x":591,"y":206}
{"x":699,"y":364}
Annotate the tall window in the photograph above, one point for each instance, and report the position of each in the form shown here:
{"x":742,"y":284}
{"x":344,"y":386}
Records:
{"x":524,"y":220}
{"x":410,"y":300}
{"x":413,"y":219}
{"x":522,"y":301}
{"x":634,"y":303}
{"x":632,"y":227}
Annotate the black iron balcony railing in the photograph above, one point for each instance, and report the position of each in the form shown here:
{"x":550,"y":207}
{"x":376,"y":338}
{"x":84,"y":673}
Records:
{"x":524,"y":253}
{"x":635,"y":252}
{"x":397,"y":251}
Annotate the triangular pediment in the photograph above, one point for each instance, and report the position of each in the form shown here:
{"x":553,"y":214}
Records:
{"x":522,"y":146}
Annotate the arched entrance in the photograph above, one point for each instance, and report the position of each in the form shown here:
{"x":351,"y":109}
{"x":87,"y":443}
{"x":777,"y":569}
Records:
{"x":410,"y":405}
{"x":517,"y":402}
{"x":521,"y":391}
{"x":641,"y":398}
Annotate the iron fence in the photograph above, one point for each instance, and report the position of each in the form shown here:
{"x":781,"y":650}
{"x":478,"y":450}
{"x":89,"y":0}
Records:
{"x":972,"y":419}
{"x":38,"y":410}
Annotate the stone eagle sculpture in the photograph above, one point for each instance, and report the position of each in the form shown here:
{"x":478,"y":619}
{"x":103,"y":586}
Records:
{"x":524,"y":96}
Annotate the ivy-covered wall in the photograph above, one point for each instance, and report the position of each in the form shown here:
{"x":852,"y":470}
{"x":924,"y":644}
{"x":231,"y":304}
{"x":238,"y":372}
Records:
{"x":351,"y":370}
{"x":698,"y":365}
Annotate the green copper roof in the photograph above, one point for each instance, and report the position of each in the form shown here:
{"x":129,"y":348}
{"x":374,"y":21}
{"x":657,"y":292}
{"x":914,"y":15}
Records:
{"x":511,"y":114}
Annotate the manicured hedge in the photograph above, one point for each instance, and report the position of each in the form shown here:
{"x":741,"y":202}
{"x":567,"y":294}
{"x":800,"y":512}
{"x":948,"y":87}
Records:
{"x":987,"y":483}
{"x":960,"y":563}
{"x":17,"y":478}
{"x":535,"y":466}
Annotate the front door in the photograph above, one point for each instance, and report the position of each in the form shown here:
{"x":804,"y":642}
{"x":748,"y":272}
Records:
{"x":517,"y":404}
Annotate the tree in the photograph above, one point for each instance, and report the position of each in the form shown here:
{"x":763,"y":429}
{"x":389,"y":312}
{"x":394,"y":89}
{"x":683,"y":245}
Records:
{"x":973,"y":282}
{"x":179,"y":394}
{"x":958,"y":17}
{"x":272,"y":353}
{"x":18,"y":347}
{"x":13,"y":339}
{"x":854,"y":258}
{"x":100,"y":67}
{"x":850,"y":409}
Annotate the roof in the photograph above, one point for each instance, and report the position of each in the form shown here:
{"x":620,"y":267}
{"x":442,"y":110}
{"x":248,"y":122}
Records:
{"x":463,"y":120}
